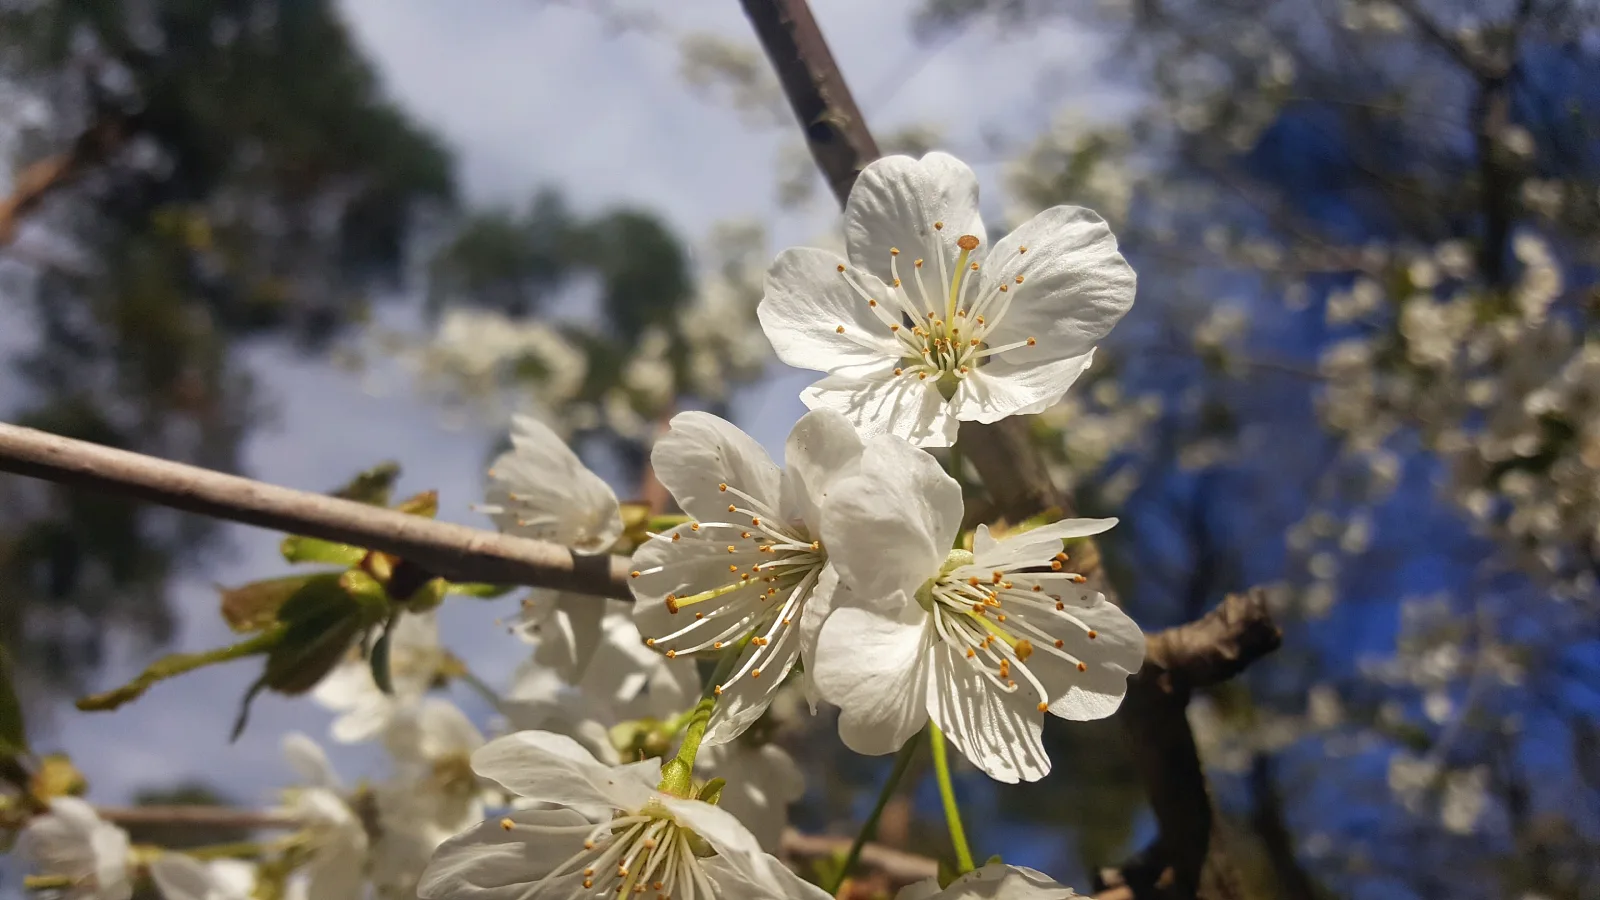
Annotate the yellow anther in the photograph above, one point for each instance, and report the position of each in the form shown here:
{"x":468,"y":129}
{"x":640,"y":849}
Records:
{"x":673,"y":654}
{"x":733,"y":568}
{"x":1004,"y":288}
{"x":635,"y":573}
{"x":1023,"y":649}
{"x":922,"y":376}
{"x":755,"y":673}
{"x":841,"y":268}
{"x":1093,"y":634}
{"x":1022,"y":249}
{"x":1032,"y":342}
{"x":1083,"y":667}
{"x":839,"y":330}
{"x":1019,"y":279}
{"x":938,"y":226}
{"x":974,"y":267}
{"x":507,"y":824}
{"x":967,"y":242}
{"x":731,"y":548}
{"x":899,"y":371}
{"x":874,"y":303}
{"x":894,"y":251}
{"x":723,"y":487}
{"x":1060,"y":644}
{"x":694,"y":526}
{"x":918,"y":263}
{"x":676,"y":536}
{"x":731,"y":507}
{"x":1043,"y":706}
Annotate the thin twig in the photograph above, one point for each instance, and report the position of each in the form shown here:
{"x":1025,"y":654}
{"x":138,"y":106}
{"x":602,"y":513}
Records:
{"x":455,"y":552}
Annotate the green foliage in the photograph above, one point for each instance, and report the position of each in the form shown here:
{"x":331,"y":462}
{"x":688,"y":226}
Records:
{"x":284,"y":184}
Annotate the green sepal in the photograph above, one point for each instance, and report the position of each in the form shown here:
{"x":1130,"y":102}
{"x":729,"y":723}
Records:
{"x":425,"y":504}
{"x":378,"y":659}
{"x":255,"y":606}
{"x":179,"y":663}
{"x":367,"y":593}
{"x":298,"y":548}
{"x":948,"y":872}
{"x":711,"y":791}
{"x":427,"y":597}
{"x":13,"y":731}
{"x":373,"y":486}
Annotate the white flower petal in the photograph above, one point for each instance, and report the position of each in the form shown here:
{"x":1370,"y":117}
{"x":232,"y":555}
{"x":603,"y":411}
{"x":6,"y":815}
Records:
{"x":822,"y":447}
{"x":888,"y":527}
{"x":816,"y":612}
{"x":554,"y":768}
{"x":995,"y":881}
{"x":724,"y":832}
{"x":489,"y":862}
{"x":897,"y":200}
{"x":807,"y":299}
{"x":871,"y":663}
{"x":993,"y":392}
{"x":540,"y":489}
{"x":743,"y":702}
{"x":769,"y":880}
{"x":1036,"y":546}
{"x":571,"y":634}
{"x":882,"y":403}
{"x":699,"y":453}
{"x":180,"y":877}
{"x":309,"y":761}
{"x":998,"y":732}
{"x":1076,"y":285}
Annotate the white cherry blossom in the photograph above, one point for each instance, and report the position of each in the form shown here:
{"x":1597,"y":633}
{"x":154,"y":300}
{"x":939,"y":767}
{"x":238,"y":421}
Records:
{"x":180,"y":877}
{"x":995,"y":881}
{"x":71,"y":841}
{"x":334,"y":833}
{"x":984,"y":643}
{"x":762,"y":780}
{"x":540,"y":489}
{"x":923,"y":326}
{"x":602,"y":832}
{"x":751,"y":565}
{"x":416,"y":662}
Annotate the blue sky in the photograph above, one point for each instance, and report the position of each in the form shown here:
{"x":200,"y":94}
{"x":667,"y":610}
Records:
{"x":529,"y":94}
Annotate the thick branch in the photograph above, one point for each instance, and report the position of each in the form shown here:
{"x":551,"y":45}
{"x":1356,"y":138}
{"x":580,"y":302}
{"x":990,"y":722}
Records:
{"x":834,"y":129}
{"x":195,"y":816}
{"x":455,"y":552}
{"x":46,"y":176}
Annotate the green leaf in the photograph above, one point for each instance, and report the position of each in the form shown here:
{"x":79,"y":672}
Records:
{"x":255,"y":606}
{"x":372,"y":486}
{"x":379,"y":660}
{"x":300,"y":549}
{"x":309,"y":650}
{"x":477,"y":589}
{"x":179,"y":663}
{"x":13,"y":734}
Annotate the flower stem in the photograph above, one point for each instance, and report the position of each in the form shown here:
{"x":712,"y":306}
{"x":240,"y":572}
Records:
{"x":235,"y":850}
{"x":947,"y":793}
{"x":677,"y":774}
{"x":869,"y":828}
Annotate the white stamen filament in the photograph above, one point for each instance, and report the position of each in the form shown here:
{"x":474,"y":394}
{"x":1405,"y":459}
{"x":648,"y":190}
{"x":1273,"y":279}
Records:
{"x":997,"y":619}
{"x":784,"y":565}
{"x":935,"y":347}
{"x":634,"y":853}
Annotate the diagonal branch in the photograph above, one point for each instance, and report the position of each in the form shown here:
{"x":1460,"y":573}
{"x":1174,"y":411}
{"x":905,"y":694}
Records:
{"x":39,"y":180}
{"x":454,"y":552}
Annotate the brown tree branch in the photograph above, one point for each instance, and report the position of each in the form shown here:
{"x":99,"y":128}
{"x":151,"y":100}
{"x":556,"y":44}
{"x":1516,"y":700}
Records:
{"x":39,"y":180}
{"x":1188,"y":859}
{"x":455,"y":552}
